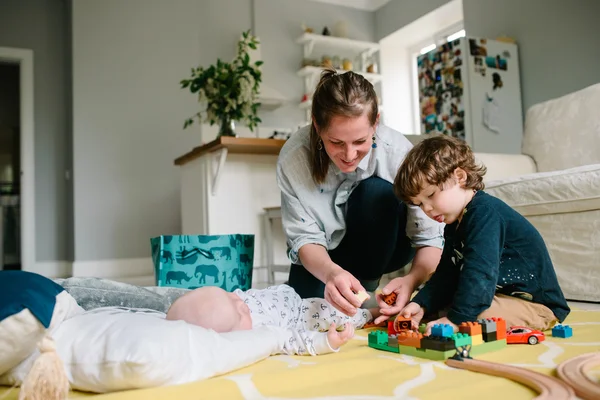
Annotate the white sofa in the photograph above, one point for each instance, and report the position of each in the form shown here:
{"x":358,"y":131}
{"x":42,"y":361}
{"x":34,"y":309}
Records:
{"x":555,"y":184}
{"x":560,"y":193}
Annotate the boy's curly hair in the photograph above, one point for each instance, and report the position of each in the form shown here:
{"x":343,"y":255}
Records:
{"x":432,"y":162}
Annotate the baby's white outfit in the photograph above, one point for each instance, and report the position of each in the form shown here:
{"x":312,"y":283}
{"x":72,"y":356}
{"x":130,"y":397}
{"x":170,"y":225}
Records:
{"x":307,"y":319}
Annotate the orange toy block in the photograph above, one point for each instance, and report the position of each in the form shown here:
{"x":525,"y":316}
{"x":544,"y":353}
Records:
{"x":390,"y":299}
{"x":500,"y":328}
{"x":410,"y":338}
{"x":402,"y":324}
{"x":470,"y":328}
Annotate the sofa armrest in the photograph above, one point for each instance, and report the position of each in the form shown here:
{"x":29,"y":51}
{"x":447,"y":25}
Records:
{"x":502,"y":166}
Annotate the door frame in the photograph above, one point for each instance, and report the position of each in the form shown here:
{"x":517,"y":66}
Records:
{"x":24,"y":58}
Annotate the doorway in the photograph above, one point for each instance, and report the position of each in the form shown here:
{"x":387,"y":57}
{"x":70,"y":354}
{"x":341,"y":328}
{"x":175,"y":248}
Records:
{"x":17,"y":160}
{"x":10,"y":166}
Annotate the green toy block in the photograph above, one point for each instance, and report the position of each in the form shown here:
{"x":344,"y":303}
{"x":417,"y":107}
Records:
{"x":487,"y":347}
{"x":378,"y":337}
{"x":422,"y":328}
{"x":384,"y":347}
{"x":434,"y":355}
{"x":461,"y":339}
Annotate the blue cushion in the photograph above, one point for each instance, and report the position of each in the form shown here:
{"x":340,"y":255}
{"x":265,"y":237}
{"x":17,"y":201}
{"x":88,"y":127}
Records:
{"x":21,"y":289}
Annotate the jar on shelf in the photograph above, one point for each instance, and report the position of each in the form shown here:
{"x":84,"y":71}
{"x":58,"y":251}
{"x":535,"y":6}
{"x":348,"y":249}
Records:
{"x":347,"y":64}
{"x":336,"y":61}
{"x":326,"y":61}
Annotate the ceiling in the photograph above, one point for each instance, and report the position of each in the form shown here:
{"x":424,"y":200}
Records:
{"x":368,"y":5}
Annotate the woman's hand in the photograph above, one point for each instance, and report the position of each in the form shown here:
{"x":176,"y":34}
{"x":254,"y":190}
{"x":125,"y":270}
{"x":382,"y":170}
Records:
{"x":340,"y":290}
{"x":403,"y":287}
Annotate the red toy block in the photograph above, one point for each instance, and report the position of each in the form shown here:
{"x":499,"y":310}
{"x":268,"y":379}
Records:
{"x":390,"y":327}
{"x":470,"y":328}
{"x":410,"y":338}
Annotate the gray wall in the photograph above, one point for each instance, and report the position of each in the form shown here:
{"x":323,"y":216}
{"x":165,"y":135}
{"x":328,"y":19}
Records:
{"x":128,"y":57}
{"x":41,"y":25}
{"x":559,"y":45}
{"x":398,"y":13}
{"x":278,"y":25}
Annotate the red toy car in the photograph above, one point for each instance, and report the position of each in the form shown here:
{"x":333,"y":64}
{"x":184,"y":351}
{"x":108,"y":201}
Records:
{"x":523,"y":334}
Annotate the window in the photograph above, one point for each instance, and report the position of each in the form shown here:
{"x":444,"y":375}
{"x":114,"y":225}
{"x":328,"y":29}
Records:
{"x":447,"y":35}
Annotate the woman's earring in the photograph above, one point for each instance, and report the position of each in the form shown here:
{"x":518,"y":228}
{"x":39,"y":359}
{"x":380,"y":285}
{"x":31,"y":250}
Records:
{"x":320,"y":145}
{"x":374,"y":145}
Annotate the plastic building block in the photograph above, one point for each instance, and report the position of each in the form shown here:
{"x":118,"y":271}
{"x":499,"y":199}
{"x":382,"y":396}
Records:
{"x":410,"y":338}
{"x":362,"y":296}
{"x":470,"y":328}
{"x":487,"y":325}
{"x":379,"y":340}
{"x":423,"y":328}
{"x":438,"y":343}
{"x":487,"y":347}
{"x":476,"y":339}
{"x":489,"y":336}
{"x":426,"y":353}
{"x":461,"y":339}
{"x":378,"y":337}
{"x":390,"y":327}
{"x":562,"y":331}
{"x":500,"y":328}
{"x":444,"y":330}
{"x":390,"y":299}
{"x":402,"y":324}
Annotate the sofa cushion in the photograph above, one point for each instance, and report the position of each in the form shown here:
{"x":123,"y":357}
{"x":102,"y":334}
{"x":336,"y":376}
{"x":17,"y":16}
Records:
{"x":570,"y":190}
{"x":564,"y":132}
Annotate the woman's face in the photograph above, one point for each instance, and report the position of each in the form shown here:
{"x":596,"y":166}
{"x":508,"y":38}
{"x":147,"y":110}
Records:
{"x":348,"y":140}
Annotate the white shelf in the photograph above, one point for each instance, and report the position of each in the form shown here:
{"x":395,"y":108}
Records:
{"x":270,"y":104}
{"x":311,"y":71}
{"x":309,"y":40}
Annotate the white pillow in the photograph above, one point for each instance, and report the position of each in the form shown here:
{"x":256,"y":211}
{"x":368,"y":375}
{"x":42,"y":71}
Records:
{"x":21,"y":332}
{"x":113,"y":348}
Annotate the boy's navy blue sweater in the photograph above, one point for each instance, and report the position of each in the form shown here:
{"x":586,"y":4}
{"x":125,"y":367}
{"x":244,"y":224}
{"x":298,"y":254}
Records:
{"x":494,"y":249}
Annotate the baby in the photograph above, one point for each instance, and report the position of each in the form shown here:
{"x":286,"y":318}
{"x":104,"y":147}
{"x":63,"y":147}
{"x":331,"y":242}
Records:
{"x":312,"y":323}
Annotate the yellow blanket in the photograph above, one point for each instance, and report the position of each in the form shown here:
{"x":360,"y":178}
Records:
{"x":360,"y":372}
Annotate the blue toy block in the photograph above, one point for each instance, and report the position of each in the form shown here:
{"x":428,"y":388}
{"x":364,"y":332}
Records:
{"x":443,"y":330}
{"x":562,"y":331}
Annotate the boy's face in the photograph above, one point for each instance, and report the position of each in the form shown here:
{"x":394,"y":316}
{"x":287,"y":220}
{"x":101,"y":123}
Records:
{"x":445,"y":205}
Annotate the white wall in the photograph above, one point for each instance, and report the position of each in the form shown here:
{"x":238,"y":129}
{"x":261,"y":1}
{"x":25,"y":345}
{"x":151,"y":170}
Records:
{"x":396,"y":63}
{"x":559,"y":46}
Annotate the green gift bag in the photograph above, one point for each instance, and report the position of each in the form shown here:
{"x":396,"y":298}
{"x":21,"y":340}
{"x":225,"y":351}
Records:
{"x":193,"y":261}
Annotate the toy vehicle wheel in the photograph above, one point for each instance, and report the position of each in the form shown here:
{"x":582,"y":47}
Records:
{"x":532,"y":340}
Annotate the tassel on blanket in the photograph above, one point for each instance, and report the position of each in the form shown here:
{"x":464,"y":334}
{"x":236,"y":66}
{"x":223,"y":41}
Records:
{"x":47,"y":379}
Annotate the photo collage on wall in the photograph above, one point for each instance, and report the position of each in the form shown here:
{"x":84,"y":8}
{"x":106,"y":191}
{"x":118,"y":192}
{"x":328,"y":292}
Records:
{"x":441,"y":90}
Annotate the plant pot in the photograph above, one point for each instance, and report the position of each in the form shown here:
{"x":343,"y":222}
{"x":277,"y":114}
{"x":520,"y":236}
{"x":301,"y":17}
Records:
{"x":227,"y":127}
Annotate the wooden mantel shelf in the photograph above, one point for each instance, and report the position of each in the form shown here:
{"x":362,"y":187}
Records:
{"x":234,"y":145}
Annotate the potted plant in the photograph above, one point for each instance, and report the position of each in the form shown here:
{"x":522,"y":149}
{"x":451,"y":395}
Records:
{"x":229,"y":91}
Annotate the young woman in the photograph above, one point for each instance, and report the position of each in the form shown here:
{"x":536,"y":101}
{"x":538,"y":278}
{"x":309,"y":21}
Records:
{"x":345,"y":227}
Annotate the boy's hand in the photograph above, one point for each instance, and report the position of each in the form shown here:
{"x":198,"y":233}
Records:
{"x":337,"y":339}
{"x":415,"y":312}
{"x":403,"y":287}
{"x":440,"y":321}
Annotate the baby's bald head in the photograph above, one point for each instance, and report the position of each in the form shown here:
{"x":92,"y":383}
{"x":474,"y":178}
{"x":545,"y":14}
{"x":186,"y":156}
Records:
{"x":210,"y":307}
